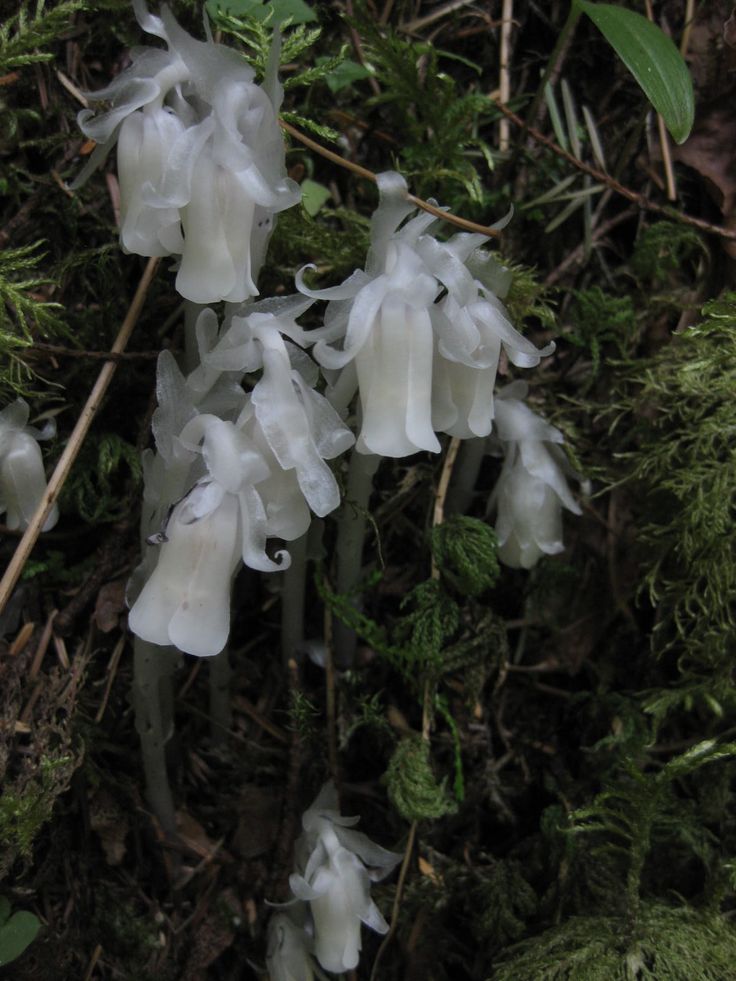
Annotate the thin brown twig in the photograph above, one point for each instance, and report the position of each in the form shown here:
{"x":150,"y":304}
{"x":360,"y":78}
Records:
{"x":397,"y":899}
{"x":687,"y":29}
{"x":626,"y":192}
{"x":69,"y":352}
{"x":358,"y":47}
{"x":664,"y":143}
{"x":578,"y":253}
{"x":412,"y":26}
{"x":73,"y":446}
{"x":439,"y":502}
{"x":112,"y":670}
{"x":468,"y":226}
{"x":504,"y":81}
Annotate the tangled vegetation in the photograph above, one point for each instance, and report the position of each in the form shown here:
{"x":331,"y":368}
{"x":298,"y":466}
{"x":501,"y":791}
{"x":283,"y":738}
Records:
{"x":552,"y":750}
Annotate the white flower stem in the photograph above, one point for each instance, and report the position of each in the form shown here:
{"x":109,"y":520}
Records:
{"x":153,"y":703}
{"x":465,"y":476}
{"x":293,"y":588}
{"x":351,"y":525}
{"x":221,"y":712}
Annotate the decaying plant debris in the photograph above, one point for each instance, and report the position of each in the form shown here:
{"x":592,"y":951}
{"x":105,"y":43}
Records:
{"x":549,"y":750}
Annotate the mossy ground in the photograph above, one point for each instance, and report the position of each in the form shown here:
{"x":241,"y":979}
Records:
{"x":575,"y":813}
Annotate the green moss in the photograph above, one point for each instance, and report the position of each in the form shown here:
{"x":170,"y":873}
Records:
{"x":684,"y":421}
{"x":412,"y":785}
{"x":667,"y":944}
{"x":22,"y":815}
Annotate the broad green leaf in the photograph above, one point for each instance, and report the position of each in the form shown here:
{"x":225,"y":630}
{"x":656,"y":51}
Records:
{"x":296,"y":11}
{"x":314,"y":196}
{"x":652,"y":59}
{"x":15,"y":935}
{"x":344,"y":74}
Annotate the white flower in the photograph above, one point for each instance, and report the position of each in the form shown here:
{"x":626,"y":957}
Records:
{"x":336,"y":882}
{"x":200,"y":159}
{"x":418,"y":364}
{"x":299,"y":427}
{"x":532,"y":488}
{"x":186,"y":601}
{"x":289,"y":945}
{"x":472,"y":326}
{"x":22,"y":477}
{"x":386,"y":330}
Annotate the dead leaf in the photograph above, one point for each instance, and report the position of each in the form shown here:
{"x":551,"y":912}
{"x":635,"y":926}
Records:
{"x":109,"y":820}
{"x":110,"y":604}
{"x":259,"y":812}
{"x":711,"y":151}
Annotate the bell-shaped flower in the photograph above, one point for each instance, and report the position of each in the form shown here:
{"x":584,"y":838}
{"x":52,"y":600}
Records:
{"x":532,"y":488}
{"x":200,"y":159}
{"x":22,"y":477}
{"x":472,"y":327}
{"x":297,"y":424}
{"x":186,"y":601}
{"x":289,"y":945}
{"x":386,"y":329}
{"x":418,"y":364}
{"x":337,"y":866}
{"x":234,"y":464}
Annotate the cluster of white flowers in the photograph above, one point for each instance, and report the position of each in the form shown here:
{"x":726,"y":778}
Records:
{"x":420,"y":366}
{"x":200,"y":159}
{"x":336,"y":866}
{"x":417,"y":334}
{"x":22,"y":477}
{"x":238,"y":467}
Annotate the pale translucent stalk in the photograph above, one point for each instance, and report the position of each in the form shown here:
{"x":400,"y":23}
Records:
{"x":465,"y":476}
{"x":351,"y":527}
{"x":293,"y":588}
{"x":154,"y":719}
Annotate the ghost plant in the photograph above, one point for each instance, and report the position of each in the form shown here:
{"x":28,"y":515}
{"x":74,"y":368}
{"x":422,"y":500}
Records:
{"x":22,"y":477}
{"x":335,"y":867}
{"x":532,"y":488}
{"x":246,"y":435}
{"x":200,"y":159}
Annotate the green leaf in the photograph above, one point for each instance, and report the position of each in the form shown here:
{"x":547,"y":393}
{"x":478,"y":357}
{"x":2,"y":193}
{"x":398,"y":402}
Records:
{"x":314,"y":196}
{"x":343,"y":74}
{"x":652,"y":59}
{"x":15,"y":935}
{"x":279,"y":10}
{"x":4,"y":909}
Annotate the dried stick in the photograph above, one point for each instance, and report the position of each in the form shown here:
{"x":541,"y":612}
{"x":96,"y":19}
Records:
{"x":504,"y":82}
{"x":66,"y":461}
{"x":412,"y":26}
{"x":664,"y":142}
{"x":468,"y":226}
{"x":397,"y":899}
{"x":603,"y":178}
{"x":437,"y":519}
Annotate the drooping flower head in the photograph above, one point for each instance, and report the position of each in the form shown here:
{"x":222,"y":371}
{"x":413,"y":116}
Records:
{"x":420,"y":335}
{"x":239,"y":467}
{"x":532,"y":488}
{"x":200,"y":159}
{"x":22,"y":477}
{"x":336,"y":867}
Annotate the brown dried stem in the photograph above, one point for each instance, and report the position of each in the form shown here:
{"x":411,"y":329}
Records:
{"x":603,"y":178}
{"x":468,"y":226}
{"x":66,"y":461}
